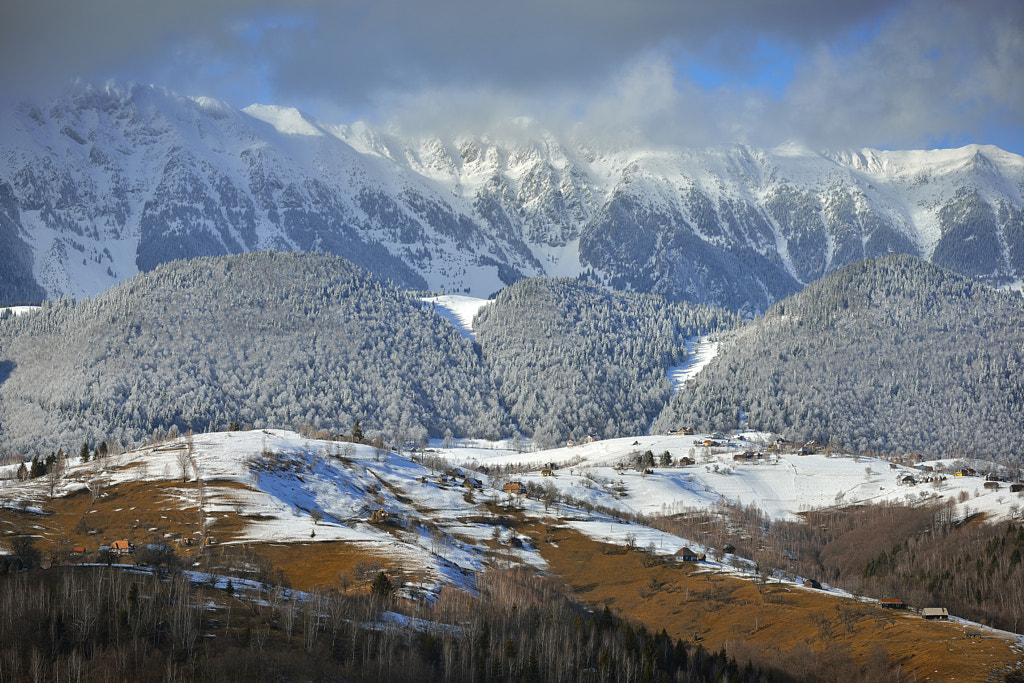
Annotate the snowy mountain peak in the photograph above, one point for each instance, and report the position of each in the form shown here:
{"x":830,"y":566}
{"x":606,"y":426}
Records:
{"x":285,"y":120}
{"x":113,"y":179}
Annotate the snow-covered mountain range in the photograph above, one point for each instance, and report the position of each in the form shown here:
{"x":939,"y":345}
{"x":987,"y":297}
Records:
{"x":111,"y":180}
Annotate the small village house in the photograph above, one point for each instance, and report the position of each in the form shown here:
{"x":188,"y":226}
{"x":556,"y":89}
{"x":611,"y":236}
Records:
{"x":685,"y":554}
{"x":122,"y":548}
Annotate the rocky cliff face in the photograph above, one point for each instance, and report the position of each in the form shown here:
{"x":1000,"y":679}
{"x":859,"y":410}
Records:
{"x":113,"y":180}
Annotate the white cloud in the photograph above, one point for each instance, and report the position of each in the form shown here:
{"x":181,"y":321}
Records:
{"x":868,"y":73}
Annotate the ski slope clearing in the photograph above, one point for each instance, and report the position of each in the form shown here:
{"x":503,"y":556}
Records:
{"x":458,"y":310}
{"x":699,"y":353}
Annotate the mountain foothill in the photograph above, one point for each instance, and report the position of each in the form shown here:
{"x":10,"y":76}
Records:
{"x":890,"y":355}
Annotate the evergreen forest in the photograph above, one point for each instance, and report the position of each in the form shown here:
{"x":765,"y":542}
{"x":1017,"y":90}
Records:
{"x":891,"y":355}
{"x":887,"y":355}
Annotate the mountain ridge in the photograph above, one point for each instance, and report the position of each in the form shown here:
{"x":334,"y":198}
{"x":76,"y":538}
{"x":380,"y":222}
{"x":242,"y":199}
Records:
{"x":109,"y":181}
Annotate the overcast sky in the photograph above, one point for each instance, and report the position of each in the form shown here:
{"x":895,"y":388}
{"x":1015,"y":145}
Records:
{"x":828,"y":73}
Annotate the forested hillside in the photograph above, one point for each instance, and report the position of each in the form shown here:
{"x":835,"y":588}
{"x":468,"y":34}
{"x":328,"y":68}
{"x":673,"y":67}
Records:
{"x":892,"y":354}
{"x":572,"y":360}
{"x":269,"y":339}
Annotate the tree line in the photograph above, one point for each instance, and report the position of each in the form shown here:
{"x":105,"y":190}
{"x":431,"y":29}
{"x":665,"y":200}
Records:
{"x":267,"y":340}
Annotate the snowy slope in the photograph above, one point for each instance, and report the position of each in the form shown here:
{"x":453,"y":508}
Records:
{"x":279,"y":481}
{"x":110,"y":180}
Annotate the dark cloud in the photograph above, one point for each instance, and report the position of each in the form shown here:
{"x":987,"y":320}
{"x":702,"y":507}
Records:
{"x":868,"y":72}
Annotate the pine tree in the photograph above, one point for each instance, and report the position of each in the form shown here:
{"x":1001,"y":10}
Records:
{"x":382,"y":585}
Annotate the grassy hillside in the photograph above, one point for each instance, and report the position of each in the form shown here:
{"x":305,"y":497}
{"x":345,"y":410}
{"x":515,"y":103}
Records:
{"x":233,"y":532}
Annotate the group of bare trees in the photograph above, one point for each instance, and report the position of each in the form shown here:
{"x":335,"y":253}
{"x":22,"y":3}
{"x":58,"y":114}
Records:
{"x":923,"y":554}
{"x":106,"y":624}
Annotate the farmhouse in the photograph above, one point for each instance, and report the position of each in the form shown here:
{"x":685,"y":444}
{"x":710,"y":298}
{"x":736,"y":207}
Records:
{"x":891,"y":603}
{"x":1016,"y":488}
{"x":992,"y":485}
{"x":684,"y":554}
{"x":515,"y":488}
{"x":471,"y":483}
{"x":935,"y":613}
{"x":122,"y":548}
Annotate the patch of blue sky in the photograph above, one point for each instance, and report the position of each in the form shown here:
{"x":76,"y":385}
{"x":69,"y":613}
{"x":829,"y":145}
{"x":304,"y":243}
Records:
{"x":767,"y":67}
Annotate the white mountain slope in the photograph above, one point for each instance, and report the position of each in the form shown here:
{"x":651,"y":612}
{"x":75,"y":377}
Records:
{"x":111,"y":180}
{"x":277,"y":479}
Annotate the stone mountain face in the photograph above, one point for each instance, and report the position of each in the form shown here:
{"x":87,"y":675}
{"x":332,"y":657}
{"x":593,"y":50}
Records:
{"x":109,"y":181}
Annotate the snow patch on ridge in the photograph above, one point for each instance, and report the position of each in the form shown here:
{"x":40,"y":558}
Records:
{"x":459,"y":310}
{"x":286,"y":120}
